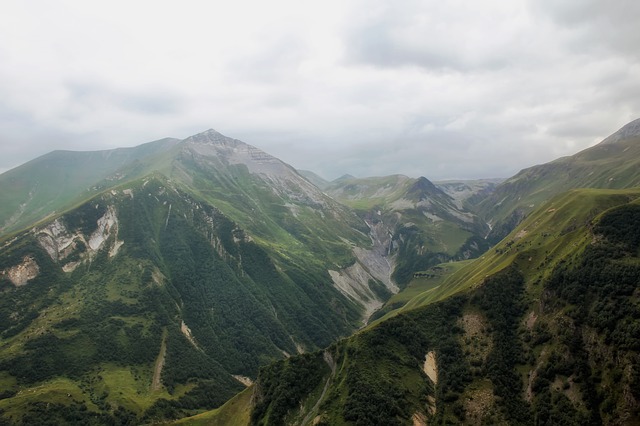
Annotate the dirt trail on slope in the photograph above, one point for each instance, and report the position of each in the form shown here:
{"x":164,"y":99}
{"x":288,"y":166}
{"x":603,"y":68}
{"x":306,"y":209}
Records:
{"x":156,"y":383}
{"x":332,"y":365}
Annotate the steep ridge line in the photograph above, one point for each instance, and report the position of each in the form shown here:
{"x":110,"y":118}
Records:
{"x":156,"y":383}
{"x":332,"y":365}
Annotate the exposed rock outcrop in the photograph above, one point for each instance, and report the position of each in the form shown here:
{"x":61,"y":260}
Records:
{"x":22,"y":273}
{"x":60,"y":242}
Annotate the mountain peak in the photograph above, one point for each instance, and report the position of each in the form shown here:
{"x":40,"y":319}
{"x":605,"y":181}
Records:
{"x":627,"y":131}
{"x":212,"y":137}
{"x":423,"y":184}
{"x":344,"y":177}
{"x":423,"y":189}
{"x":214,"y":152}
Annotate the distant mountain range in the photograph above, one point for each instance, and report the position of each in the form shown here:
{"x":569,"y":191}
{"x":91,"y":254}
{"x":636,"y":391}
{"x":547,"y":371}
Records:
{"x":152,"y":283}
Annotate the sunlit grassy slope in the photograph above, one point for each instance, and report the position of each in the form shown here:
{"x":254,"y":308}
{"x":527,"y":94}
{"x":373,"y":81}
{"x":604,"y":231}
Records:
{"x":421,"y":286}
{"x":551,"y":234}
{"x":235,"y":412}
{"x":54,"y":182}
{"x":609,"y":166}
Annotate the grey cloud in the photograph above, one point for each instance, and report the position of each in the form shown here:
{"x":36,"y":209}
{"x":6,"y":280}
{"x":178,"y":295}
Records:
{"x":432,"y":35}
{"x":456,"y":89}
{"x":150,"y":103}
{"x":375,"y":45}
{"x":575,"y":127}
{"x":441,"y":154}
{"x":22,"y":138}
{"x":276,"y":58}
{"x":599,"y":26}
{"x":579,"y":12}
{"x":94,"y":94}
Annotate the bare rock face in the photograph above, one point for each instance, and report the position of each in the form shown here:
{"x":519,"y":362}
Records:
{"x":353,"y":283}
{"x":60,"y":242}
{"x":430,"y":367}
{"x":106,"y":225}
{"x":233,"y":151}
{"x":374,"y":263}
{"x":55,"y":239}
{"x":20,"y":274}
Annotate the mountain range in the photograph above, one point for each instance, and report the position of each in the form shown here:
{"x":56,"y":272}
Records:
{"x":141,"y":285}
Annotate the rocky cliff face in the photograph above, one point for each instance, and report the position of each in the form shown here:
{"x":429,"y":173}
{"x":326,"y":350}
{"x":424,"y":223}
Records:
{"x":70,"y":248}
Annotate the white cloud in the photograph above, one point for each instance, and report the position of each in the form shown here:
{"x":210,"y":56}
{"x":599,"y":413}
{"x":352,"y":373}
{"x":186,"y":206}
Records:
{"x":441,"y":89}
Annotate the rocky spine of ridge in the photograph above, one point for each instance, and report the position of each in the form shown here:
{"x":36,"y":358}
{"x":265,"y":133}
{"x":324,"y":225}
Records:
{"x":627,"y":131}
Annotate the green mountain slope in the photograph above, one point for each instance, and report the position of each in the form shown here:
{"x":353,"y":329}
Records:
{"x":612,"y":164}
{"x":285,"y":214}
{"x":542,"y":330}
{"x":266,"y":196}
{"x":165,"y":292}
{"x":146,"y":278}
{"x":54,"y":182}
{"x":280,"y":209}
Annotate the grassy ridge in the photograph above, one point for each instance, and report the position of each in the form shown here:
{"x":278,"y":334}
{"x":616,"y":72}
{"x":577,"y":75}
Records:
{"x":551,"y":234}
{"x":607,"y":166}
{"x":235,"y":412}
{"x":56,"y":181}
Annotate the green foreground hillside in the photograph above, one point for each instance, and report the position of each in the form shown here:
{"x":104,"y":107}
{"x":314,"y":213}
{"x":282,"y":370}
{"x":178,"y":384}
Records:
{"x":542,"y":330}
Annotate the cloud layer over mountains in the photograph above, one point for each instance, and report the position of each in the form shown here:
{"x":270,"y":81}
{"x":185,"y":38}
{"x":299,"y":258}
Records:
{"x":455,"y":89}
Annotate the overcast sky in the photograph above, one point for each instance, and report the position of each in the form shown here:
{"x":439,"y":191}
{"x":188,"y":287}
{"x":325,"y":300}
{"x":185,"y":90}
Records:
{"x":442,"y":89}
